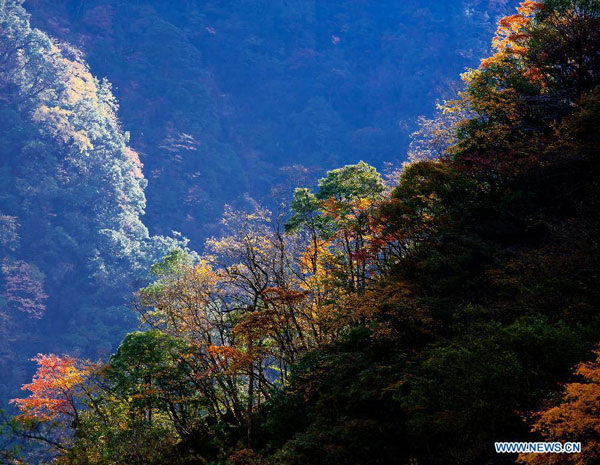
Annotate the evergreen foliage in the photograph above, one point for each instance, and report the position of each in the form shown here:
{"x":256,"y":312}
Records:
{"x":412,"y":323}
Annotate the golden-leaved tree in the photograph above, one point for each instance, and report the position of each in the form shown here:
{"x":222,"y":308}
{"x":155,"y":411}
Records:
{"x":575,"y":419}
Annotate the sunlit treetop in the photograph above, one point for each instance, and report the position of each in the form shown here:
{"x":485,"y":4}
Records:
{"x":554,"y":43}
{"x":575,"y":419}
{"x":512,"y":32}
{"x":53,"y":388}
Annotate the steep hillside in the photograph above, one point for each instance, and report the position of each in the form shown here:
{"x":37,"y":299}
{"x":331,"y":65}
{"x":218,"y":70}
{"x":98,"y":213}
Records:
{"x":72,"y":242}
{"x":219,"y":95}
{"x":415,"y":322}
{"x":214,"y":100}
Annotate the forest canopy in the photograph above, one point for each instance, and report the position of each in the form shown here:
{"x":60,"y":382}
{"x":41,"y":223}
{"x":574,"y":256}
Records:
{"x":416,"y":318}
{"x":72,"y":196}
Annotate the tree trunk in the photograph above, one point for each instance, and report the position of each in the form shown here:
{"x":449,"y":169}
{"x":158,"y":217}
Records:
{"x":250,"y":399}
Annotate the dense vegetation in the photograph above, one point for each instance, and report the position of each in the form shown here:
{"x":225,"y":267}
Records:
{"x":218,"y":97}
{"x":374,"y":323}
{"x":71,"y":240}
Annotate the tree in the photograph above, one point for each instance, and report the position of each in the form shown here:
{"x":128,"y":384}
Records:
{"x":546,"y":60}
{"x":24,"y":288}
{"x":185,"y":302}
{"x":575,"y":419}
{"x":54,"y":388}
{"x":151,"y":374}
{"x":337,"y":220}
{"x":72,"y":198}
{"x":56,"y":401}
{"x":9,"y":236}
{"x":414,"y":325}
{"x":563,"y":46}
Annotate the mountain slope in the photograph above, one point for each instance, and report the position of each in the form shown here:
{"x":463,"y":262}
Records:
{"x":72,"y":195}
{"x":218,"y":96}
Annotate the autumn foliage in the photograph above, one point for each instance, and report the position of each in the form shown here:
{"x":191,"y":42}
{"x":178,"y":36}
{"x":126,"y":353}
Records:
{"x":24,"y":288}
{"x":53,"y":390}
{"x":415,"y":321}
{"x":510,"y":40}
{"x":575,"y":419}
